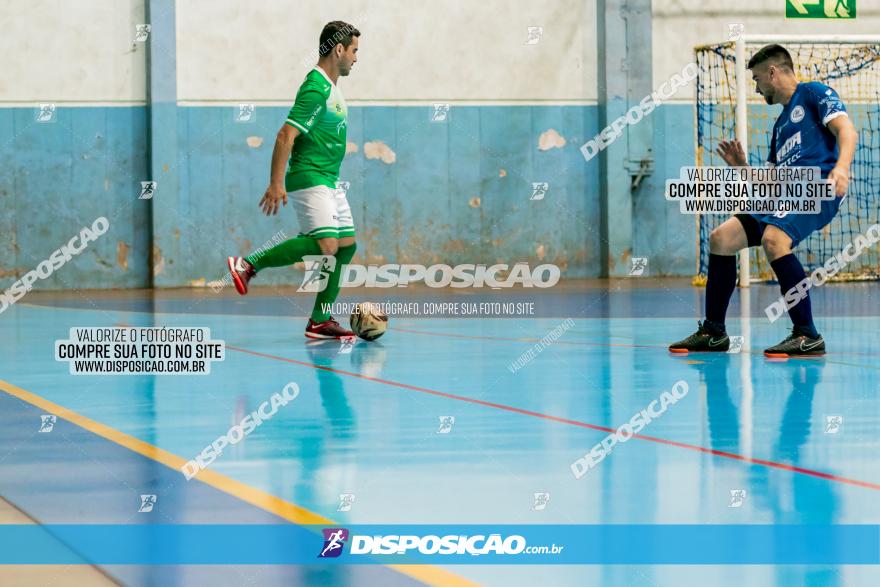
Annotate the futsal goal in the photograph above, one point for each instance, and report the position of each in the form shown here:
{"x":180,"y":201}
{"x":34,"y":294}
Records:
{"x":727,"y":107}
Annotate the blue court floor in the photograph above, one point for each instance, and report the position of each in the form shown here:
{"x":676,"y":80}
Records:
{"x":754,"y":441}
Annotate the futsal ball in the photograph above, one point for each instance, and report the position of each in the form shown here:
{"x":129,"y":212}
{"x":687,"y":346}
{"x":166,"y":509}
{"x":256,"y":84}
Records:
{"x":368,"y":321}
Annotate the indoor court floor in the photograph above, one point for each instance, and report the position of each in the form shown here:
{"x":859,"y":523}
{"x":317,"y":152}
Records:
{"x":754,"y":441}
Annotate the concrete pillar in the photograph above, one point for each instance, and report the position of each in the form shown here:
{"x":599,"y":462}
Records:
{"x":624,"y":51}
{"x":163,"y":140}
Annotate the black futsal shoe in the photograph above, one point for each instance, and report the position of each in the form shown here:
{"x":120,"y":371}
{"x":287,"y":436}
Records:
{"x":702,"y":341}
{"x":797,"y":344}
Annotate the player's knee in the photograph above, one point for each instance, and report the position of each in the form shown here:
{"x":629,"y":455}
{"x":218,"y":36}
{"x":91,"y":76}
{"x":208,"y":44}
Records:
{"x":329,"y":246}
{"x":776,"y":245}
{"x":717,"y":241}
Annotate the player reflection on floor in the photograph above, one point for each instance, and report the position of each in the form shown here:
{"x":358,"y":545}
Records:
{"x":330,"y":456}
{"x":359,"y":357}
{"x":341,"y":480}
{"x":807,"y":500}
{"x":325,"y":442}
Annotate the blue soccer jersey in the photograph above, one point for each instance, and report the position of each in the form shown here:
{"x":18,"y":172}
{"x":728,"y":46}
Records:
{"x":801,"y":139}
{"x":800,"y":136}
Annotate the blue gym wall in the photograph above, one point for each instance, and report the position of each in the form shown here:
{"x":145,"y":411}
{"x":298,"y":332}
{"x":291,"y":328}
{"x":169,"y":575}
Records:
{"x":458,"y":192}
{"x":660,"y":232}
{"x":58,"y":177}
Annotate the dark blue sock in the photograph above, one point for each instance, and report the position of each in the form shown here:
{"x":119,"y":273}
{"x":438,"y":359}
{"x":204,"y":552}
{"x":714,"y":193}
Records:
{"x":719,"y":287}
{"x":790,"y":272}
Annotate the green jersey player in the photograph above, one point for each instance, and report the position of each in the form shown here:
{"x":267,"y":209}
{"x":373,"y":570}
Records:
{"x":308,"y":151}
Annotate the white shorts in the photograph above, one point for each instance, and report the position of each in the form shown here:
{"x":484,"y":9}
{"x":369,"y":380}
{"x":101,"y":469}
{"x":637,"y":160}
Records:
{"x":323,"y":212}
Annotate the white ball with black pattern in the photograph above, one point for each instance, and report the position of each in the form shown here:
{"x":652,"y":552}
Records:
{"x":368,"y":321}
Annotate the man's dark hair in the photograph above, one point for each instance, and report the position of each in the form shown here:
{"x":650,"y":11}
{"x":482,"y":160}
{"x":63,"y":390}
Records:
{"x":334,"y":33}
{"x":775,"y":54}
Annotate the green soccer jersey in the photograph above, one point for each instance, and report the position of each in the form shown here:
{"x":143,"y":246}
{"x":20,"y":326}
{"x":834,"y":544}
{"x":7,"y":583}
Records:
{"x":319,"y":113}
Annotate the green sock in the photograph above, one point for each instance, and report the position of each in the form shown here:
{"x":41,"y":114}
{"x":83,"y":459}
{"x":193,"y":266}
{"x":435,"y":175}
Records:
{"x":287,"y":253}
{"x":328,"y":295}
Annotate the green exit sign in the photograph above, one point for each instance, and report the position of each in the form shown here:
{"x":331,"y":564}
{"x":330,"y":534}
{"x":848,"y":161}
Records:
{"x":820,"y":8}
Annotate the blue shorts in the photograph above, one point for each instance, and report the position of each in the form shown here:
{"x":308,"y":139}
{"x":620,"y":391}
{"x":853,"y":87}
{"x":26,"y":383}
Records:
{"x":797,"y":226}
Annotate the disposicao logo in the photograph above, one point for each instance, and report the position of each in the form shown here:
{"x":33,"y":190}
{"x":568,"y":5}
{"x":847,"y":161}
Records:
{"x":334,"y":540}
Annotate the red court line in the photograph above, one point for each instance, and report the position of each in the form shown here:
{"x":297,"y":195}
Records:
{"x":664,"y":347}
{"x":526,"y":339}
{"x":693,"y":447}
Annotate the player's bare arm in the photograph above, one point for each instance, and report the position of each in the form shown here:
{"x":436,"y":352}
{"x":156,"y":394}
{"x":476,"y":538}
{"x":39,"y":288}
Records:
{"x":732,"y":153}
{"x":276,"y":193}
{"x":847,"y":138}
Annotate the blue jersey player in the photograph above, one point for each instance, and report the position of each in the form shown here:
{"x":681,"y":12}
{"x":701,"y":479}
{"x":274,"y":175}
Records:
{"x":813,"y":130}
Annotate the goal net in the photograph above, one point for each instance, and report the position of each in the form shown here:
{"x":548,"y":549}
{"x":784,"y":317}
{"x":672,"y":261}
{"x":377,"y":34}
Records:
{"x":849,"y":65}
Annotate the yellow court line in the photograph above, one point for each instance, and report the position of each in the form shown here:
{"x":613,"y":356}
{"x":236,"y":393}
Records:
{"x":428,"y":574}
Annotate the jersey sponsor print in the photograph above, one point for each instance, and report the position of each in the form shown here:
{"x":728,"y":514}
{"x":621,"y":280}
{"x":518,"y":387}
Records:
{"x":320,"y":114}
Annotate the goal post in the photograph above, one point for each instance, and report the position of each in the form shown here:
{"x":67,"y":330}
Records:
{"x":727,"y":106}
{"x":742,"y":134}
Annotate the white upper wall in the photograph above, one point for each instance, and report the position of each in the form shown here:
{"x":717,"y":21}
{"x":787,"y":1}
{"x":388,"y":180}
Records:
{"x":447,"y":50}
{"x":71,"y":51}
{"x":442,"y":50}
{"x":679,"y":26}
